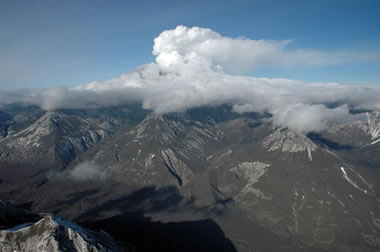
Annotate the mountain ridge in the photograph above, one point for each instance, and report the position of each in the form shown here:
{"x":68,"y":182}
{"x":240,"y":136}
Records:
{"x":307,"y":191}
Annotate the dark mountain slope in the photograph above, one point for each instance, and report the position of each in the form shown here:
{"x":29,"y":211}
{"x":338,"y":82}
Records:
{"x":258,"y":182}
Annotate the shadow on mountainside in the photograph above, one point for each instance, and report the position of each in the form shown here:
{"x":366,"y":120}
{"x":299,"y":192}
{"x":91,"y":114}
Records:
{"x":145,"y":235}
{"x":328,"y":143}
{"x":131,"y":227}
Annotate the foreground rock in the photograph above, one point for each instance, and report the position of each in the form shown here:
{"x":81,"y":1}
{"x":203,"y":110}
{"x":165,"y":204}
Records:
{"x":50,"y":233}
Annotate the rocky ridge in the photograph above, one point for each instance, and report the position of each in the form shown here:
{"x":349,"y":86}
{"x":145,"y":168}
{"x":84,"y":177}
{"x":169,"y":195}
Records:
{"x":303,"y":192}
{"x":48,"y":232}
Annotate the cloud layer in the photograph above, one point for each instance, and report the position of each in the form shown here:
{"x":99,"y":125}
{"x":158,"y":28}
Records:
{"x":200,"y":48}
{"x":86,"y":171}
{"x":191,"y":70}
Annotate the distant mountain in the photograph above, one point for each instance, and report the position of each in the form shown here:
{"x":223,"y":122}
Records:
{"x":57,"y":137}
{"x":268,"y":188}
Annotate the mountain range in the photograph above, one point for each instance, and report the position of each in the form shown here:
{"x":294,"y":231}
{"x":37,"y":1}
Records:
{"x":251,"y":185}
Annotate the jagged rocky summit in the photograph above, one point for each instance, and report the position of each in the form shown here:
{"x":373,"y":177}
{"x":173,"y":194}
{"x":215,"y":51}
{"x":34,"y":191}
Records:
{"x":48,"y":232}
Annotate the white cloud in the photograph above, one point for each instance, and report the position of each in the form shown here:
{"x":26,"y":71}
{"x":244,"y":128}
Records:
{"x":197,"y":48}
{"x":304,"y":118}
{"x":191,"y":72}
{"x":86,"y":171}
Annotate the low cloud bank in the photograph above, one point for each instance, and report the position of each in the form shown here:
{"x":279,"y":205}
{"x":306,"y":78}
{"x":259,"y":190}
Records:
{"x":191,"y":70}
{"x":86,"y":171}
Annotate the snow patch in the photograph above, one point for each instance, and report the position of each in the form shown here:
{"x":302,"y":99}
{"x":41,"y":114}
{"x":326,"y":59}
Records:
{"x":376,"y":141}
{"x":54,"y":233}
{"x":344,"y":171}
{"x":353,"y":183}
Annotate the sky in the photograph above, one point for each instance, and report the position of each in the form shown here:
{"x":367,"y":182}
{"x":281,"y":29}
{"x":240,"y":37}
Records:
{"x":309,"y":64}
{"x":48,"y":43}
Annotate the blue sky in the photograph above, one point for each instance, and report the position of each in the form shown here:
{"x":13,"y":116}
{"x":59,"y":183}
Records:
{"x":45,"y":43}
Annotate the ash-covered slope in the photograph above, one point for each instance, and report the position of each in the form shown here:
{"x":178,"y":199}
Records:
{"x":48,"y":233}
{"x":268,"y":188}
